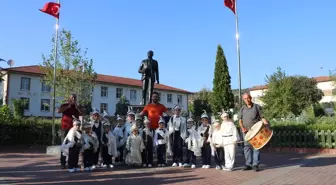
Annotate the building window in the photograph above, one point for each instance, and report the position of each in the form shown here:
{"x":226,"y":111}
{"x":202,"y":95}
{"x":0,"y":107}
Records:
{"x":179,"y":99}
{"x":119,"y":93}
{"x":159,"y":97}
{"x":133,"y":95}
{"x":45,"y":105}
{"x":103,"y":91}
{"x":25,"y":84}
{"x":103,"y":107}
{"x":26,"y":104}
{"x":45,"y":87}
{"x":169,"y":98}
{"x":328,"y":92}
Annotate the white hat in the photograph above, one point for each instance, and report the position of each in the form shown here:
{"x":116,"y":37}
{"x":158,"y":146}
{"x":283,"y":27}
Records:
{"x":215,"y":123}
{"x":190,"y":120}
{"x":130,"y":111}
{"x":105,"y":114}
{"x":204,"y":115}
{"x":95,"y":111}
{"x":118,"y":117}
{"x":161,"y":120}
{"x":138,"y":117}
{"x":106,"y":123}
{"x":86,"y":125}
{"x":146,"y":120}
{"x":134,"y":127}
{"x":75,"y":121}
{"x":177,"y":107}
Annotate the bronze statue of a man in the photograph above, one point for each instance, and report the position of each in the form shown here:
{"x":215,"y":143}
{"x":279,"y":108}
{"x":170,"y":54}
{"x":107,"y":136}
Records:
{"x":149,"y":68}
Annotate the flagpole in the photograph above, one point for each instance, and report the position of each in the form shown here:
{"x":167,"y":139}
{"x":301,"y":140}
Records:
{"x":54,"y":80}
{"x":238,"y":55}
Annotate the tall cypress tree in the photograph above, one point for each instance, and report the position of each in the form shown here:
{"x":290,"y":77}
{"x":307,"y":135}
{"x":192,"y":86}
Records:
{"x":222,"y":97}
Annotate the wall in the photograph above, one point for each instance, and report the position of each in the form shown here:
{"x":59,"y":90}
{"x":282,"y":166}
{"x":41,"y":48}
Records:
{"x":35,"y":94}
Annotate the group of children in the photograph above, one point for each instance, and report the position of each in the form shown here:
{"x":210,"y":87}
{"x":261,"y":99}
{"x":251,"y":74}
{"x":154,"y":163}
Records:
{"x":135,"y":143}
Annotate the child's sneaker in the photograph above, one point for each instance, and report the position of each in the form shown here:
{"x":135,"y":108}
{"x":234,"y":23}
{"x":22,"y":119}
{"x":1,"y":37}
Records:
{"x":180,"y":165}
{"x":193,"y":166}
{"x":149,"y":166}
{"x":174,"y":165}
{"x":72,"y":170}
{"x":218,"y":167}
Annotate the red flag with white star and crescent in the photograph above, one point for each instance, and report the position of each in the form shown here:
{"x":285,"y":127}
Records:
{"x":51,"y":9}
{"x":231,"y":4}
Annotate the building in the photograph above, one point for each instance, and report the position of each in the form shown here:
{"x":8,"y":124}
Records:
{"x":25,"y":82}
{"x":324,"y":83}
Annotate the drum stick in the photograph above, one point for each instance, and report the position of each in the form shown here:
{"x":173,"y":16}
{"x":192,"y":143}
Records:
{"x":234,"y":143}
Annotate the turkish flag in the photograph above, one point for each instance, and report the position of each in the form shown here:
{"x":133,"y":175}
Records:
{"x":51,"y":9}
{"x":231,"y":4}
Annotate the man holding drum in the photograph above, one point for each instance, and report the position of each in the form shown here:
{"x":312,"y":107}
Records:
{"x":250,"y":114}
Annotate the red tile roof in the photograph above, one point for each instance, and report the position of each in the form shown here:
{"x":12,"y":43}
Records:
{"x":35,"y":70}
{"x":318,"y":79}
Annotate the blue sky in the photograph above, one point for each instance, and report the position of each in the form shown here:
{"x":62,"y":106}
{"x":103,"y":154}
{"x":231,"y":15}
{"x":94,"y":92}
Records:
{"x":299,"y":36}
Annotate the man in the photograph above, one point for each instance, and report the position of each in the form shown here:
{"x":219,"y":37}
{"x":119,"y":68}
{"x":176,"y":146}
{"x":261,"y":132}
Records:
{"x":154,"y":110}
{"x":149,"y":68}
{"x":68,"y":110}
{"x":250,"y":114}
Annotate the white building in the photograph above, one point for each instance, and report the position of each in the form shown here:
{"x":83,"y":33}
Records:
{"x":323,"y":82}
{"x":25,"y":82}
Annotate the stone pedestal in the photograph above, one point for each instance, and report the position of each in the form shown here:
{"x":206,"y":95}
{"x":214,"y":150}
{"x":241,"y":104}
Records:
{"x":54,"y":150}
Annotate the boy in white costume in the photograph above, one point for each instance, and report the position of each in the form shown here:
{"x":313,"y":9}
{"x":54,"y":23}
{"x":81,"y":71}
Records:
{"x":205,"y":131}
{"x":109,"y":145}
{"x":90,"y":146}
{"x":120,"y":134}
{"x":72,"y":145}
{"x":177,"y":128}
{"x":193,"y":145}
{"x":97,"y":128}
{"x":147,"y":136}
{"x":217,"y":145}
{"x":230,"y":136}
{"x":130,"y":122}
{"x":134,"y":147}
{"x":139,"y":123}
{"x":161,"y":139}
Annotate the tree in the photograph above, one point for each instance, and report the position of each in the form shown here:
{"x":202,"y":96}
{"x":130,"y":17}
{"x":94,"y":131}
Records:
{"x":201,"y":101}
{"x":122,"y":106}
{"x":222,"y":97}
{"x":74,"y":71}
{"x":289,"y":94}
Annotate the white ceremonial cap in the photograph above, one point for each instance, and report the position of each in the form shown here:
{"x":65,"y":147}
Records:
{"x":161,"y":120}
{"x":204,"y":115}
{"x":177,"y":107}
{"x":118,"y":117}
{"x":146,"y":120}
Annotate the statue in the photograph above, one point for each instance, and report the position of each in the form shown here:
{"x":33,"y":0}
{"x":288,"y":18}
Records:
{"x":149,"y":68}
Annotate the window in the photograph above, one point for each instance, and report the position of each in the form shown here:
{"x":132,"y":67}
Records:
{"x":45,"y":87}
{"x":103,"y":91}
{"x":26,"y":105}
{"x":133,"y":95}
{"x":25,"y":84}
{"x":169,"y":98}
{"x":179,"y":99}
{"x":45,"y":105}
{"x":328,"y":92}
{"x":159,"y":97}
{"x":119,"y":93}
{"x":103,"y":107}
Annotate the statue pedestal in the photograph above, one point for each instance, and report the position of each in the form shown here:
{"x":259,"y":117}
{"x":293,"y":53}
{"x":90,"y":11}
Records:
{"x":137,"y":108}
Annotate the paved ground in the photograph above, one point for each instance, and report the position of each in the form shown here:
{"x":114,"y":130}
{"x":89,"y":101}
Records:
{"x":277,"y":168}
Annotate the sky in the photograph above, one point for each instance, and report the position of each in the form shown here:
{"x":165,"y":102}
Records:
{"x":298,"y":36}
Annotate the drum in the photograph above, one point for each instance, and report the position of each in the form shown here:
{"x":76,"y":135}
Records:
{"x":259,"y":135}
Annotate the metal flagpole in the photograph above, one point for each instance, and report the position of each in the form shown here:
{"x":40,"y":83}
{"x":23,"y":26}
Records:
{"x":54,"y":81}
{"x":238,"y":55}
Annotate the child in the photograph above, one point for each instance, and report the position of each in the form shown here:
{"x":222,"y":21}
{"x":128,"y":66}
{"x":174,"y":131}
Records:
{"x":147,"y":137}
{"x":230,"y":136}
{"x":134,"y":147}
{"x":217,"y":147}
{"x":129,"y":122}
{"x":97,"y":128}
{"x":205,"y":131}
{"x":71,"y":146}
{"x":119,"y":132}
{"x":193,"y":146}
{"x":139,"y":124}
{"x":109,"y":145}
{"x":90,"y":147}
{"x":177,"y":127}
{"x":161,"y":140}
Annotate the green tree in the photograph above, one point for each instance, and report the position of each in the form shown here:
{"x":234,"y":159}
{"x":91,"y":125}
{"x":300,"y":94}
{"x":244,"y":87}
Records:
{"x":19,"y":105}
{"x":287,"y":95}
{"x":222,"y":97}
{"x":74,"y":70}
{"x":122,"y":106}
{"x":201,"y":101}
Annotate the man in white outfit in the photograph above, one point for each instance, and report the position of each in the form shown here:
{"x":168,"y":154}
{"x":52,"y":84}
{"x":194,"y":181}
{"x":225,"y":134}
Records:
{"x":230,"y":137}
